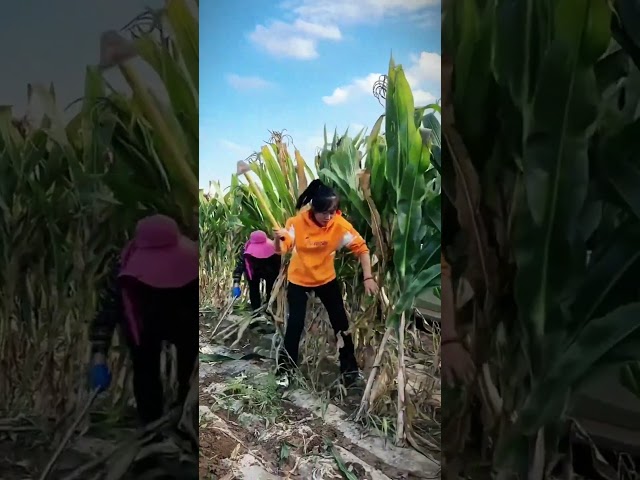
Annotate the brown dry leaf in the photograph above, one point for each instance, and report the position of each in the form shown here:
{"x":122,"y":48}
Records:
{"x":365,"y":185}
{"x":380,"y":385}
{"x":369,"y":357}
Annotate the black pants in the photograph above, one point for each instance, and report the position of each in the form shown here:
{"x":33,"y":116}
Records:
{"x":169,"y":315}
{"x":331,"y":298}
{"x":254,"y":289}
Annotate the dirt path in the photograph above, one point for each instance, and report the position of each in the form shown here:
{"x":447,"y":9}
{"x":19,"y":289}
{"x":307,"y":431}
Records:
{"x":26,"y":448}
{"x":252,"y":428}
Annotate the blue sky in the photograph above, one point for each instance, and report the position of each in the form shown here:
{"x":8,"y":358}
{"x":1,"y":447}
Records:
{"x":297,"y":65}
{"x":294,"y":65}
{"x":43,"y":41}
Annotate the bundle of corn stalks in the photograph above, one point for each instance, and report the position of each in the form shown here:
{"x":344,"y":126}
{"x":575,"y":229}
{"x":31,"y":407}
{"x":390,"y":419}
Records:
{"x":390,"y":191}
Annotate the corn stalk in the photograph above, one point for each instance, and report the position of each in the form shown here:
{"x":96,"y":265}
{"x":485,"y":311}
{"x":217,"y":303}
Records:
{"x":394,"y":201}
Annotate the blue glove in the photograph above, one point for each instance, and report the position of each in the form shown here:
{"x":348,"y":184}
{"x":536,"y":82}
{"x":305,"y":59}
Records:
{"x":100,"y":377}
{"x":236,"y":292}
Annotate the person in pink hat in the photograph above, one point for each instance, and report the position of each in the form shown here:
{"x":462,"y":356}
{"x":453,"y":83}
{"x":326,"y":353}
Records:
{"x":258,"y":261}
{"x":153,"y":296}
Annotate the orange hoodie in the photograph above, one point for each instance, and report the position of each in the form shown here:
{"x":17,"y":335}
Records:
{"x":313,"y":248}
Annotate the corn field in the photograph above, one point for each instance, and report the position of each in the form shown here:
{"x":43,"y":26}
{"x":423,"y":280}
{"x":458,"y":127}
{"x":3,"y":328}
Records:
{"x":389,"y":184}
{"x":540,"y":119}
{"x":71,"y":191}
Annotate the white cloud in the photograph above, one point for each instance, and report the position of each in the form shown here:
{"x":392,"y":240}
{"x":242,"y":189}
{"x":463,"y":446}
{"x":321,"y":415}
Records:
{"x":423,"y":74}
{"x":310,"y":146}
{"x":297,"y":40}
{"x":425,"y":68}
{"x":325,"y":32}
{"x":321,"y":20}
{"x":427,"y":19}
{"x":247,"y":83}
{"x":240,"y":151}
{"x":362,"y":11}
{"x":339,"y":95}
{"x":357,"y":88}
{"x":422,"y":97}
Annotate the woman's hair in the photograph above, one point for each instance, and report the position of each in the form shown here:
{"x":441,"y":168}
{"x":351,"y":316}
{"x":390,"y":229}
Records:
{"x":321,"y":197}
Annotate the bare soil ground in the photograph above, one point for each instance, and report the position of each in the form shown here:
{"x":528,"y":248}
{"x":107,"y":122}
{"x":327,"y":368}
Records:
{"x":25,"y":449}
{"x":103,"y":445}
{"x":252,"y":428}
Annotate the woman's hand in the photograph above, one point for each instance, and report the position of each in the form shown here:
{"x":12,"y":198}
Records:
{"x":280,"y":233}
{"x":370,"y":286}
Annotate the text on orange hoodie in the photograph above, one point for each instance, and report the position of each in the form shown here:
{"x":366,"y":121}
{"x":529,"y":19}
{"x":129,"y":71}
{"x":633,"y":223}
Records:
{"x":313,"y":247}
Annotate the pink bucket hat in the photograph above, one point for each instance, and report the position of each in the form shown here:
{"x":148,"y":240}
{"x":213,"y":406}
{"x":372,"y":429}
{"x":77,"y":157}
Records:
{"x":259,"y":245}
{"x":158,"y":256}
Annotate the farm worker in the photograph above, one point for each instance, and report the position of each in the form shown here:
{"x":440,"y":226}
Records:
{"x":258,"y":261}
{"x":456,"y":363}
{"x":313,"y":236}
{"x":153,"y":296}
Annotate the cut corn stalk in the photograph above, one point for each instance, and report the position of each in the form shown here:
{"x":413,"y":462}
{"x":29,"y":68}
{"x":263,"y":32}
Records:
{"x":243,"y":169}
{"x":116,"y":51}
{"x":175,"y":156}
{"x":300,"y":171}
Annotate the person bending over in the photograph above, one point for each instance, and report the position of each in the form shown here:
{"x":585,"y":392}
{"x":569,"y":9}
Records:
{"x":153,"y":295}
{"x":258,"y":261}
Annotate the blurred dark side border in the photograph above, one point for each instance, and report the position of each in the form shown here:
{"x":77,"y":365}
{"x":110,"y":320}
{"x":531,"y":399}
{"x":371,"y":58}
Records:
{"x":111,"y":141}
{"x":541,"y":227}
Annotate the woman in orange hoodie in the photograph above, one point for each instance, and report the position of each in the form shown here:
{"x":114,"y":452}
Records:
{"x":313,"y":236}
